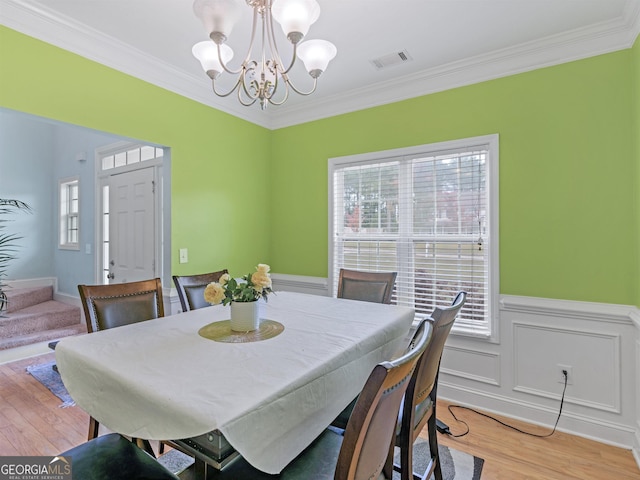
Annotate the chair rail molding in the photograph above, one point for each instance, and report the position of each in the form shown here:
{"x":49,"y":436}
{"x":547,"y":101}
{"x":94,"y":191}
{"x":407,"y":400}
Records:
{"x":300,"y":284}
{"x":570,"y":308}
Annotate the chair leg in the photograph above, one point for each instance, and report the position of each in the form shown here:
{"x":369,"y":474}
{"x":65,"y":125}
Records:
{"x":160,"y":447}
{"x":144,"y":445}
{"x":94,"y":426}
{"x":388,"y":468}
{"x":433,"y":446}
{"x":406,"y":458}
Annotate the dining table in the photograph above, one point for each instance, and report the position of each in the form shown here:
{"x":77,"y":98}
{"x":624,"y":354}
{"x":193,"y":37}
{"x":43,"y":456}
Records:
{"x":268,"y":393}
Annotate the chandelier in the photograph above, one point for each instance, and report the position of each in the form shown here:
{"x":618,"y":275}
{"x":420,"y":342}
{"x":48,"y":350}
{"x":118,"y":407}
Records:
{"x":263,"y":77}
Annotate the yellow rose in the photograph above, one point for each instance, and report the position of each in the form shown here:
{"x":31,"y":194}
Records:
{"x":224,"y":278}
{"x":261,"y":279}
{"x":263,"y":268}
{"x":214,"y":293}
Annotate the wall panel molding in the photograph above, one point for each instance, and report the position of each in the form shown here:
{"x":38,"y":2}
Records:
{"x":458,"y":357}
{"x":539,"y":349}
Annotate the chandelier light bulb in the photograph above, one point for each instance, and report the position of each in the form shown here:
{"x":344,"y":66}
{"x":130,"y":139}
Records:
{"x":316,"y":55}
{"x":207,"y":53}
{"x":218,"y":17}
{"x":295,"y":16}
{"x":261,"y":77}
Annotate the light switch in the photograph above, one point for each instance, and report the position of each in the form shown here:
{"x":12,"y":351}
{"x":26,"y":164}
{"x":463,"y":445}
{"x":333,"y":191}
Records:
{"x":184,"y":255}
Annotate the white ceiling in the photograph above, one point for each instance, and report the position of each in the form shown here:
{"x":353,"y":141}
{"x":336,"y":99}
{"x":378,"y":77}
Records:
{"x":451,"y":43}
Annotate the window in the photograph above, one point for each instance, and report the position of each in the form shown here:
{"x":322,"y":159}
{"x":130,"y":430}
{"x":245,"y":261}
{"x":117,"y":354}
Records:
{"x":428,"y":213}
{"x":69,"y":214}
{"x":129,"y":155}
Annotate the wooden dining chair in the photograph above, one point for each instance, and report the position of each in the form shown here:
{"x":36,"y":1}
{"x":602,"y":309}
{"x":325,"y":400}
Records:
{"x":191,"y":288}
{"x":366,"y":449}
{"x":118,"y":304}
{"x":113,"y":457}
{"x":374,"y":287}
{"x":419,"y":406}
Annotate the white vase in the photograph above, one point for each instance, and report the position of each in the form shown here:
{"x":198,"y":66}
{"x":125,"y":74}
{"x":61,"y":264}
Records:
{"x":245,"y":316}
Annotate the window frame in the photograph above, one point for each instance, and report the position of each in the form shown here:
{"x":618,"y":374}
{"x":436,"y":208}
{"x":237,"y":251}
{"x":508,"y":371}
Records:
{"x":64,"y":214}
{"x":491,"y":142}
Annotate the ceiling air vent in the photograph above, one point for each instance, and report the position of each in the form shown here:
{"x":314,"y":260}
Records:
{"x":391,"y":59}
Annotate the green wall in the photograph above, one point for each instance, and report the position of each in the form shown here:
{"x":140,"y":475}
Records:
{"x":636,"y":137}
{"x":218,"y":177}
{"x":567,"y":222}
{"x":569,"y":157}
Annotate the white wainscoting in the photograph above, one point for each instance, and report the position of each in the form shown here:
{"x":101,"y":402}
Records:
{"x":635,"y":316}
{"x":171,"y":301}
{"x":300,"y":284}
{"x":519,"y":377}
{"x":597,"y":342}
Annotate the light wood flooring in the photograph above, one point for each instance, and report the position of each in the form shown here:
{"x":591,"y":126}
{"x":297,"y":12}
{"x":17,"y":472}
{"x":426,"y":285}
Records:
{"x":31,"y":423}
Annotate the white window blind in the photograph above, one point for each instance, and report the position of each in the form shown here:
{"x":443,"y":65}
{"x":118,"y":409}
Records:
{"x":425,"y":213}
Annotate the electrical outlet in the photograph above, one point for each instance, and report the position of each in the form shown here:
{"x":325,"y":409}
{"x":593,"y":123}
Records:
{"x":569,"y":370}
{"x":184,"y":255}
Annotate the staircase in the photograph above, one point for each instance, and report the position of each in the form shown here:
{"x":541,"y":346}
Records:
{"x":32,"y":316}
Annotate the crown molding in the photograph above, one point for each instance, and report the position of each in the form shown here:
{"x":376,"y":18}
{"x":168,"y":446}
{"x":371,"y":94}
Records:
{"x":46,"y":25}
{"x":578,"y":44}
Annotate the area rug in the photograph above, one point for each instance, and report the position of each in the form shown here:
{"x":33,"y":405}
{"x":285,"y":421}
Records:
{"x":45,"y":374}
{"x":175,"y":461}
{"x":456,"y":465}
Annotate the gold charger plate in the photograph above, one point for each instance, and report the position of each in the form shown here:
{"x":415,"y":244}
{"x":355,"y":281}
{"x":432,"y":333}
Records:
{"x":221,"y":332}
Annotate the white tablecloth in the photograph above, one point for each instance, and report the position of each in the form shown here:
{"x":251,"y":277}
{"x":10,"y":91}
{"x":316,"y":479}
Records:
{"x":160,"y":380}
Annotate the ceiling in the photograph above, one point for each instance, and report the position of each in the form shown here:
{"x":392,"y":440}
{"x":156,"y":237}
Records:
{"x":450,"y":42}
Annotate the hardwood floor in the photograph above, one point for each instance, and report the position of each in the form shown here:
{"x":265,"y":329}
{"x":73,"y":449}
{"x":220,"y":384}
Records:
{"x":31,"y":423}
{"x":511,"y":455}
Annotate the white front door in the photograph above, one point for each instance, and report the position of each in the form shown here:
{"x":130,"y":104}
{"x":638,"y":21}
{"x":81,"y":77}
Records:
{"x":131,"y":236}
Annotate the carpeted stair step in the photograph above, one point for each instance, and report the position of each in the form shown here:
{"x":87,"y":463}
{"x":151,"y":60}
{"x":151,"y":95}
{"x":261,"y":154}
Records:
{"x":49,"y":315}
{"x":37,"y":337}
{"x":19,"y":298}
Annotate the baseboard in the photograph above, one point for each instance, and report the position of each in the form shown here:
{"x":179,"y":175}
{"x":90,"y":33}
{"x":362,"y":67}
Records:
{"x":33,"y":283}
{"x":67,"y":299}
{"x":595,"y":429}
{"x":26,"y":351}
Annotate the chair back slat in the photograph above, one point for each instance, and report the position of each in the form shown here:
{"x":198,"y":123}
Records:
{"x":191,"y":288}
{"x":114,"y":305}
{"x":367,"y":448}
{"x":427,"y":369}
{"x":374,"y":287}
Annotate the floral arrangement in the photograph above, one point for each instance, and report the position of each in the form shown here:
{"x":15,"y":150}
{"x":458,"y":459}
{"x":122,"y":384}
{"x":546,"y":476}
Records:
{"x":250,"y":288}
